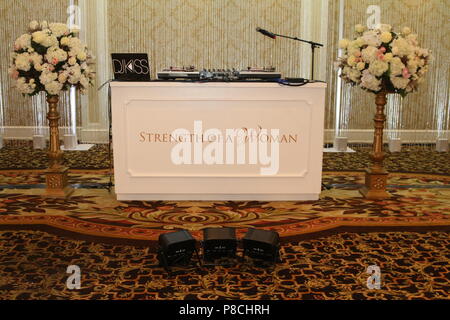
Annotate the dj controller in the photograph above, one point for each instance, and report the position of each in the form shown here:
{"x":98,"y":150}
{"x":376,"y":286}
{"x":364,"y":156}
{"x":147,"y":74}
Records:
{"x":191,"y":73}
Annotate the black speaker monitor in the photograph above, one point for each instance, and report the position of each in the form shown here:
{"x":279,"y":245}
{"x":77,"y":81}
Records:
{"x":219,"y":243}
{"x":261,"y":244}
{"x":176,"y":248}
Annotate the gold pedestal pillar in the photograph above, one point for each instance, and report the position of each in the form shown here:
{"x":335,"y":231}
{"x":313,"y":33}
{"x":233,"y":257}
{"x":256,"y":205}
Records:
{"x":376,"y":175}
{"x":56,"y":175}
{"x":375,"y":188}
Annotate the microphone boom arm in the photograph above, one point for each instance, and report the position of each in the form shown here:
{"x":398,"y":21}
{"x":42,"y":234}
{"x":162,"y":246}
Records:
{"x":316,"y":44}
{"x":313,"y":45}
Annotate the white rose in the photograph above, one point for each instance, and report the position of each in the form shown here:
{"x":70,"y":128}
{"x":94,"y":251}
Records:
{"x":370,"y":82}
{"x":343,"y":43}
{"x":388,"y":57}
{"x":412,"y":65}
{"x":47,"y":67}
{"x":72,"y":61}
{"x":38,"y":36}
{"x":353,"y":51}
{"x":346,"y":70}
{"x":75,"y":43}
{"x":53,"y":87}
{"x":406,"y":31}
{"x":65,"y":41}
{"x":48,"y":77}
{"x":56,"y":55}
{"x":369,"y":54}
{"x":401,"y":47}
{"x":354,"y":75}
{"x":36,"y":59}
{"x":399,"y":82}
{"x":357,"y":53}
{"x":74,"y":74}
{"x":23,"y":62}
{"x":371,"y":38}
{"x":397,"y":66}
{"x":34,"y":25}
{"x":411,"y":37}
{"x":82,"y":56}
{"x":378,"y":67}
{"x":421,"y":62}
{"x":24,"y":87}
{"x":359,"y":42}
{"x":58,"y":29}
{"x":23,"y":41}
{"x":386,"y":37}
{"x":423,"y":52}
{"x":360,"y":66}
{"x":84,"y":81}
{"x":62,"y":78}
{"x":360,"y":28}
{"x":50,"y":41}
{"x":351,"y":61}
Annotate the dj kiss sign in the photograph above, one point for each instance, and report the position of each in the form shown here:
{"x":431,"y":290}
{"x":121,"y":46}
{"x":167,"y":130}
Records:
{"x":131,"y":66}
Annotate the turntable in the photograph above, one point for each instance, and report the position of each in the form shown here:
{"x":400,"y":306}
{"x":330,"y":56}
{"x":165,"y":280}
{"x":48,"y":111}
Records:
{"x":179,"y":73}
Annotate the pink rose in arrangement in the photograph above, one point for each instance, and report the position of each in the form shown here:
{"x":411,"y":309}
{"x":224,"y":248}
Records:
{"x":406,"y":73}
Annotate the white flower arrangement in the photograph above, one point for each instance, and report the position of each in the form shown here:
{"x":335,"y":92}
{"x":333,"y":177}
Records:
{"x":381,"y":59}
{"x":50,"y":58}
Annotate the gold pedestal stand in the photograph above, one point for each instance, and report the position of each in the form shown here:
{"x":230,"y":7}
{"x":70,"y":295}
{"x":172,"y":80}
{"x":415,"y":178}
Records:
{"x":376,"y":175}
{"x":56,"y":174}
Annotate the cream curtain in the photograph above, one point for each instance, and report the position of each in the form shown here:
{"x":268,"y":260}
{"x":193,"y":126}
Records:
{"x":221,"y":34}
{"x":426,"y":114}
{"x":15,"y":16}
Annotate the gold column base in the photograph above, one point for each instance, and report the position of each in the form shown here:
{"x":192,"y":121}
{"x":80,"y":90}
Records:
{"x":375,"y":188}
{"x":57,"y":183}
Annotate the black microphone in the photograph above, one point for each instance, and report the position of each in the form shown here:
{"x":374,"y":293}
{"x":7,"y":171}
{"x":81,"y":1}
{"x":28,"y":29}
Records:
{"x":266,"y":33}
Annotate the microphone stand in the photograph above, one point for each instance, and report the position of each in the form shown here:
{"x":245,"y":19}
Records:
{"x":313,"y":44}
{"x":110,"y":173}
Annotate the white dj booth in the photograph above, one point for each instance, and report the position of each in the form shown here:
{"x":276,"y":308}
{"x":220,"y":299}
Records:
{"x":217,"y":140}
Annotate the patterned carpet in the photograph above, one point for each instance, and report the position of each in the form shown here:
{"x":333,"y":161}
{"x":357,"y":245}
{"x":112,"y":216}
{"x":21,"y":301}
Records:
{"x":414,"y":159}
{"x":21,"y":155}
{"x":413,"y":266}
{"x":327,"y":244}
{"x":417,"y":200}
